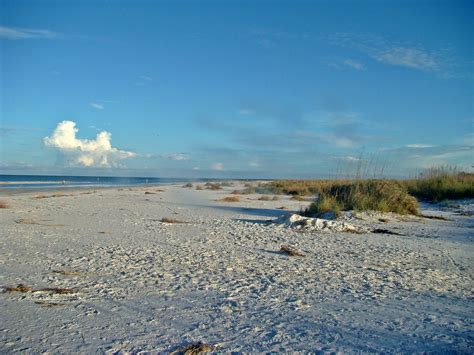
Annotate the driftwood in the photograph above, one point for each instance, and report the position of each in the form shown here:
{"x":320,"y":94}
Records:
{"x":291,"y":251}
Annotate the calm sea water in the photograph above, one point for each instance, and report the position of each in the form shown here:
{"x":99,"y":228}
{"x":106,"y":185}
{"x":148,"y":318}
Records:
{"x":49,"y":181}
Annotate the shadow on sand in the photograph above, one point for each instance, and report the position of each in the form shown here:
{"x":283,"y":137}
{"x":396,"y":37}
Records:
{"x":262,"y":212}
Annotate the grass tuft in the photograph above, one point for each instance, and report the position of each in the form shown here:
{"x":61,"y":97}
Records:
{"x":230,"y":199}
{"x":188,"y":185}
{"x":3,"y":204}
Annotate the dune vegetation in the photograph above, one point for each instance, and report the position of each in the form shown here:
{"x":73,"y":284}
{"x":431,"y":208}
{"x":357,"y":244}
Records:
{"x":384,"y":195}
{"x":364,"y":195}
{"x":442,"y":183}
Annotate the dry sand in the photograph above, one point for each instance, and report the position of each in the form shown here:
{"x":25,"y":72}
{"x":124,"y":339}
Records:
{"x":134,"y":283}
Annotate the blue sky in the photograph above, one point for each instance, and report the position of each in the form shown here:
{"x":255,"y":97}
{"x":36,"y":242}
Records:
{"x":251,"y":89}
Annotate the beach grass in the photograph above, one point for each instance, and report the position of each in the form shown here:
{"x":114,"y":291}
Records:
{"x":364,"y":195}
{"x":3,"y":204}
{"x":442,"y":183}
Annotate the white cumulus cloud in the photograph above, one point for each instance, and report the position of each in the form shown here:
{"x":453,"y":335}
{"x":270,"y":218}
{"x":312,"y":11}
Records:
{"x":91,"y":153}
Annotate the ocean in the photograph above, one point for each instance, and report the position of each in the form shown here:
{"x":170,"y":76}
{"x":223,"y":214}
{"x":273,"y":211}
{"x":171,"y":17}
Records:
{"x":54,"y":181}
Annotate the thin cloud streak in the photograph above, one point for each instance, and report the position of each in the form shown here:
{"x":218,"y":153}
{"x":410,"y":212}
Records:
{"x":15,"y":33}
{"x":97,"y":106}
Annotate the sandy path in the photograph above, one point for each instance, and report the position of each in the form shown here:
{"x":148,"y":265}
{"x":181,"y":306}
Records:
{"x":145,"y":285}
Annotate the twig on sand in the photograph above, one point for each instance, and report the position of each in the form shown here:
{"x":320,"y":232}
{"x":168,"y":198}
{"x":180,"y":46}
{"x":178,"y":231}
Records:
{"x":385,"y":231}
{"x":172,"y":210}
{"x":171,"y":220}
{"x":291,"y":251}
{"x":49,"y":304}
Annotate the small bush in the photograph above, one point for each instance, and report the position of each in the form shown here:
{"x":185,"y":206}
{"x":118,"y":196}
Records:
{"x":3,"y":204}
{"x":364,"y":195}
{"x":188,"y":185}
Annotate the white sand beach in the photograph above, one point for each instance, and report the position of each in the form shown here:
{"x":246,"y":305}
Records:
{"x":102,"y":273}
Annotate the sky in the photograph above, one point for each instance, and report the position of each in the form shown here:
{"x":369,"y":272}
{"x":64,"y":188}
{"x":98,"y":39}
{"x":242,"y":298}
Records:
{"x":239,"y":89}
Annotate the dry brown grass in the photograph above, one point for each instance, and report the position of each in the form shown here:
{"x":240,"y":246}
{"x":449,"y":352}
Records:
{"x":3,"y":204}
{"x":171,"y":220}
{"x":194,"y":349}
{"x":229,"y":199}
{"x":53,"y":195}
{"x":298,"y":198}
{"x":31,"y":221}
{"x":212,"y":186}
{"x":24,"y":288}
{"x":188,"y":185}
{"x":25,"y":221}
{"x":18,"y":288}
{"x":268,"y":198}
{"x":199,"y":187}
{"x":150,"y":193}
{"x":291,"y":251}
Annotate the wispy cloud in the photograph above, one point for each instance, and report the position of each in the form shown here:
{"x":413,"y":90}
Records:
{"x":15,"y":33}
{"x":419,"y":146}
{"x":97,"y":105}
{"x":246,"y":111}
{"x":347,"y":158}
{"x":407,"y":57}
{"x":354,"y":64}
{"x":254,"y":164}
{"x":391,"y":53}
{"x":217,"y":166}
{"x":83,"y":152}
{"x":145,"y":77}
{"x":176,"y":156}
